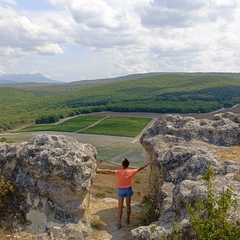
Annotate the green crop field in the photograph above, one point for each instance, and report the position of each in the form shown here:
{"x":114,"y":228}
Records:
{"x":119,"y":126}
{"x":72,"y":125}
{"x":113,"y":126}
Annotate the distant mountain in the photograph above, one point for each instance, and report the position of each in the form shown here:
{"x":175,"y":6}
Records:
{"x":26,"y":78}
{"x":116,"y":79}
{"x":101,"y":81}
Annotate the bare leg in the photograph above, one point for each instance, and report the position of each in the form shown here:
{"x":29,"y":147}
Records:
{"x":128,"y":203}
{"x":120,"y":207}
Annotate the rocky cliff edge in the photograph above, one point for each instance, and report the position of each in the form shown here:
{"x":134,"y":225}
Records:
{"x":51,"y":175}
{"x":182,"y":148}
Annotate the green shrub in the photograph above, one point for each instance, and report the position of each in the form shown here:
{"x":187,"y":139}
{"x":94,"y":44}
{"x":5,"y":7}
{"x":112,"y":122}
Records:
{"x":137,"y":179}
{"x":6,"y":189}
{"x":100,"y":195}
{"x":177,"y":232}
{"x":153,"y":228}
{"x":210,"y":218}
{"x":110,"y":190}
{"x":149,"y":211}
{"x":3,"y":139}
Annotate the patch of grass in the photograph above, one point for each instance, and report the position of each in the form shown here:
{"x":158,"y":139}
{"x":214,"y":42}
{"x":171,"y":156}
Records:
{"x":3,"y":139}
{"x":110,"y":190}
{"x":100,"y":195}
{"x":105,"y":189}
{"x":137,"y":179}
{"x":228,"y":153}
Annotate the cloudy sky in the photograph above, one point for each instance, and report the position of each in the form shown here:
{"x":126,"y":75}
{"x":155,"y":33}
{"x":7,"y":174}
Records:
{"x":71,"y":40}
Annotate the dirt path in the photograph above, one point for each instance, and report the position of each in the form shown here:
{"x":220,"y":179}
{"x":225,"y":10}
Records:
{"x":103,"y":213}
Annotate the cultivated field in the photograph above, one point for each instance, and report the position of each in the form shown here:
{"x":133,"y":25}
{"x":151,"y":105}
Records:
{"x":93,"y":124}
{"x":110,"y":148}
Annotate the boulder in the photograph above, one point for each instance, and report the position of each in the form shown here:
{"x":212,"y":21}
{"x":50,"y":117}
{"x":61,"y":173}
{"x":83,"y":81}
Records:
{"x":182,"y":148}
{"x":52,"y":176}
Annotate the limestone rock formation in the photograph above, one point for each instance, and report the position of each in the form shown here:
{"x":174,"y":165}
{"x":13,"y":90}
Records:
{"x":182,"y":148}
{"x":52,"y":175}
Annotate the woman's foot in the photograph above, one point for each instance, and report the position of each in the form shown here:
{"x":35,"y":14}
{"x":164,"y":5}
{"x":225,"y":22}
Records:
{"x":119,"y":226}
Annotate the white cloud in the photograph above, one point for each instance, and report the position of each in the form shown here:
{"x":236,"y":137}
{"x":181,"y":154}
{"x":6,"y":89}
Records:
{"x":121,"y":37}
{"x":13,"y":2}
{"x":99,"y":25}
{"x":185,"y":13}
{"x":28,"y":34}
{"x":49,"y":49}
{"x":9,"y":55}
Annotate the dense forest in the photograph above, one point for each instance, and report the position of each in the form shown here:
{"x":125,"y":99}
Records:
{"x":163,"y":93}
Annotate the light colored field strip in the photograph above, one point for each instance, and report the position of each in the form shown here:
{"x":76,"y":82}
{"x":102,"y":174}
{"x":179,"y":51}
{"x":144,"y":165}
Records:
{"x":91,"y":125}
{"x":148,"y":126}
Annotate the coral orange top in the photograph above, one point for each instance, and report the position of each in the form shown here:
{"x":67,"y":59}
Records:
{"x":125,"y":177}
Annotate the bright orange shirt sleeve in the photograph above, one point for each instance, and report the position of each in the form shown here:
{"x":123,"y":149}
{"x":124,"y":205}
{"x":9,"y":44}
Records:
{"x":125,"y":177}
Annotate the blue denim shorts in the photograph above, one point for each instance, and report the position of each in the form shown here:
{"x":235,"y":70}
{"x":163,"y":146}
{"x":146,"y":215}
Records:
{"x":125,"y":192}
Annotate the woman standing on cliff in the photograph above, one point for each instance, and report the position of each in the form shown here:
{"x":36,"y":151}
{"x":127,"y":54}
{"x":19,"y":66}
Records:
{"x":125,"y":179}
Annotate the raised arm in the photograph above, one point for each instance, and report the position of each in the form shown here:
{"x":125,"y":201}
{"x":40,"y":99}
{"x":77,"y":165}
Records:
{"x":105,"y":170}
{"x":144,"y":166}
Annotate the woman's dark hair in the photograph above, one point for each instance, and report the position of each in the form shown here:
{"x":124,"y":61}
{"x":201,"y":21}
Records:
{"x":125,"y":163}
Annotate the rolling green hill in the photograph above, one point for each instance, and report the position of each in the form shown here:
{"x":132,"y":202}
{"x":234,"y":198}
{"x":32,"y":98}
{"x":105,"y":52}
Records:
{"x":44,"y":89}
{"x":164,"y":93}
{"x":182,"y":93}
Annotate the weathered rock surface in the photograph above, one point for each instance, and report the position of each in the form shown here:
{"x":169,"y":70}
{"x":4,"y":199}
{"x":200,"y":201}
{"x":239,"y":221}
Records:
{"x":52,"y":175}
{"x":182,"y":148}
